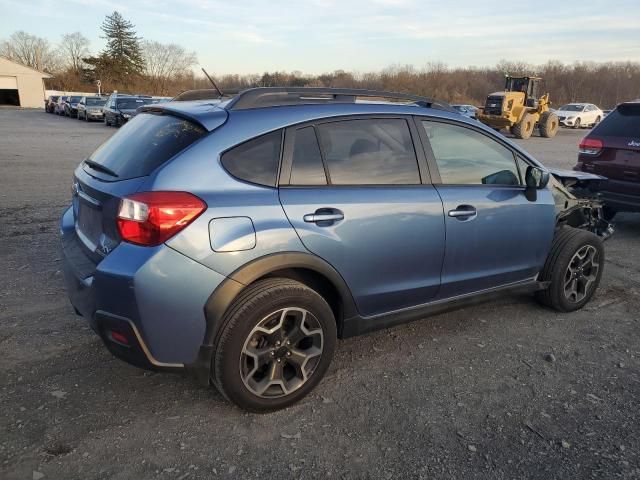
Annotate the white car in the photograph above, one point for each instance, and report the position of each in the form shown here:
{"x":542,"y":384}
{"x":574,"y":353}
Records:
{"x":578,"y":115}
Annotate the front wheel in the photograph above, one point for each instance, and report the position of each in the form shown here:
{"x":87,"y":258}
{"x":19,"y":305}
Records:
{"x":524,"y":128}
{"x":276,"y":343}
{"x":577,"y":123}
{"x":573,"y":269}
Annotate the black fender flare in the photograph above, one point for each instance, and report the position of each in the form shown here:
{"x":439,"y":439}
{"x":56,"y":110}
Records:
{"x":224,"y":295}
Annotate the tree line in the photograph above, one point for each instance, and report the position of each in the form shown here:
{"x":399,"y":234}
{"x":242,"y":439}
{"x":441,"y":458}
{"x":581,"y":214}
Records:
{"x":126,"y":63}
{"x":129,"y":63}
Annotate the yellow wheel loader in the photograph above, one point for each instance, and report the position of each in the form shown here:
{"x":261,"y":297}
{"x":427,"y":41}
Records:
{"x":519,"y":109}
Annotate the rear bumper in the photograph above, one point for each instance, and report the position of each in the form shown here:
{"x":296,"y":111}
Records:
{"x":620,"y":195}
{"x":621,"y":202}
{"x":154,"y":297}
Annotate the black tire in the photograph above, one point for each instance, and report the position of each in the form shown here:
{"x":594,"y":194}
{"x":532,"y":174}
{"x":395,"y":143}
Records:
{"x":524,"y":128}
{"x":598,"y":119}
{"x":577,"y":123}
{"x":549,"y":124}
{"x":608,"y":213}
{"x":567,"y":244}
{"x":253,"y":305}
{"x":106,"y":121}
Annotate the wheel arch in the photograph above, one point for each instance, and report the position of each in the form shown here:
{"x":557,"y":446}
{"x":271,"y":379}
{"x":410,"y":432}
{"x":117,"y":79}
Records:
{"x":306,"y":268}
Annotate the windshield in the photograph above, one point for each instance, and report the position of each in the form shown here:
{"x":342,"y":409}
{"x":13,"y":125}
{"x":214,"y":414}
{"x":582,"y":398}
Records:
{"x":96,"y":101}
{"x":132,"y":103}
{"x":572,"y":108}
{"x":74,"y":99}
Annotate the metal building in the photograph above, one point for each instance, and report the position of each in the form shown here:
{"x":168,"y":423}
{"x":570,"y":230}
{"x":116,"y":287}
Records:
{"x":21,"y":86}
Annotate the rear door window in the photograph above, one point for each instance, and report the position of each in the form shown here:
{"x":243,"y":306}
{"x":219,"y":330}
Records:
{"x":467,"y":157}
{"x":307,"y":167}
{"x":369,"y":152}
{"x":147,"y":141}
{"x":255,"y":161}
{"x":624,"y":121}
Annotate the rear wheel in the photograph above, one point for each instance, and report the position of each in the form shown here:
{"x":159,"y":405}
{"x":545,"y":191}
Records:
{"x":524,"y":128}
{"x":549,"y":124}
{"x":573,"y":268}
{"x":276,"y":343}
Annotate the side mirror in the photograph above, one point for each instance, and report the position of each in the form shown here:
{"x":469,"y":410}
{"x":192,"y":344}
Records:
{"x":535,"y":179}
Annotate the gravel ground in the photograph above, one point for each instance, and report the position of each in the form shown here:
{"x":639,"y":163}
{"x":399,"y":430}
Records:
{"x":504,"y":390}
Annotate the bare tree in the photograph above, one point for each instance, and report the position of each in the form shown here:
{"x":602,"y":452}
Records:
{"x":164,"y":63}
{"x":74,"y":47}
{"x":30,"y":50}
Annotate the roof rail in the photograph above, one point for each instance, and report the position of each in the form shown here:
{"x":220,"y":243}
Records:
{"x":281,"y":96}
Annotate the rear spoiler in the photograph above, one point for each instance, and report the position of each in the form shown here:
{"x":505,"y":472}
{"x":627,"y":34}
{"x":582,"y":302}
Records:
{"x":207,"y":115}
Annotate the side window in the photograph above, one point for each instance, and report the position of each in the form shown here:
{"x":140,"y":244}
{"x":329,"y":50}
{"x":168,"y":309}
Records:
{"x":255,"y":161}
{"x":306,"y":167}
{"x":369,"y":152}
{"x":467,"y":157}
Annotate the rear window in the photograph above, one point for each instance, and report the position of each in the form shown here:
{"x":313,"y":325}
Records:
{"x":96,"y":101}
{"x":132,"y":103}
{"x":255,"y":161}
{"x":622,"y":122}
{"x":144,"y":143}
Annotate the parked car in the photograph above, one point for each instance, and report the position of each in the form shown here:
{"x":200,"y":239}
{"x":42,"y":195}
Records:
{"x":578,"y":115}
{"x":90,"y":108}
{"x":466,"y":110}
{"x":120,"y":108}
{"x":59,"y":105}
{"x":236,"y":240}
{"x":71,"y":105}
{"x":612,"y":149}
{"x":50,"y":103}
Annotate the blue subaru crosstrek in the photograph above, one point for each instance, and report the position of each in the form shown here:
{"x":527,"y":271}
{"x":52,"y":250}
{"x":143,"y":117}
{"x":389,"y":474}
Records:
{"x":237,"y":239}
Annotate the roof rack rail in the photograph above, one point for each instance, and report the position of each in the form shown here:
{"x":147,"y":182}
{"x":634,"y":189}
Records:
{"x":282,"y":96}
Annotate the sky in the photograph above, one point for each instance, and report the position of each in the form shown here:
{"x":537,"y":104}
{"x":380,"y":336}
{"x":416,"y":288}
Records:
{"x":316,"y":36}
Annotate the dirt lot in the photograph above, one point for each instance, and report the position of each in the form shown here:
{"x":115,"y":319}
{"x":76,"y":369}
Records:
{"x":469,"y":394}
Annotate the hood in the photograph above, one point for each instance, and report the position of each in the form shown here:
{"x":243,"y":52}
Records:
{"x":567,"y":113}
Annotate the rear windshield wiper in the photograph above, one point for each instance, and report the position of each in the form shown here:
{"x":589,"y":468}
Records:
{"x":100,"y":168}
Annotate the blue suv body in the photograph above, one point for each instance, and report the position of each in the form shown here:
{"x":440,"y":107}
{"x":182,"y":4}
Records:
{"x":237,"y":239}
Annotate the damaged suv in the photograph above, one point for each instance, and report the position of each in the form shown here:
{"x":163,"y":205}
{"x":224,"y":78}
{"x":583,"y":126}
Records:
{"x":236,"y":239}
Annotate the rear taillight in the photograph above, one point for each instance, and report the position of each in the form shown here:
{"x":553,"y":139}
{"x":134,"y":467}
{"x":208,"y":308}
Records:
{"x":591,"y":146}
{"x":151,"y":218}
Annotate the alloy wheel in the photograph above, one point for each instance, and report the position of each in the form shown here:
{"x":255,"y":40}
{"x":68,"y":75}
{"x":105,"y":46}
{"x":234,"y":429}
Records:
{"x":281,"y":352}
{"x":581,"y":274}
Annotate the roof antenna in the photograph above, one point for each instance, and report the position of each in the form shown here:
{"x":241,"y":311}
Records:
{"x":213,"y":83}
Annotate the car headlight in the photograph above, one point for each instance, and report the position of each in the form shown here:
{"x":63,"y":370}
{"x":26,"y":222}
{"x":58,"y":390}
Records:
{"x":126,"y":115}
